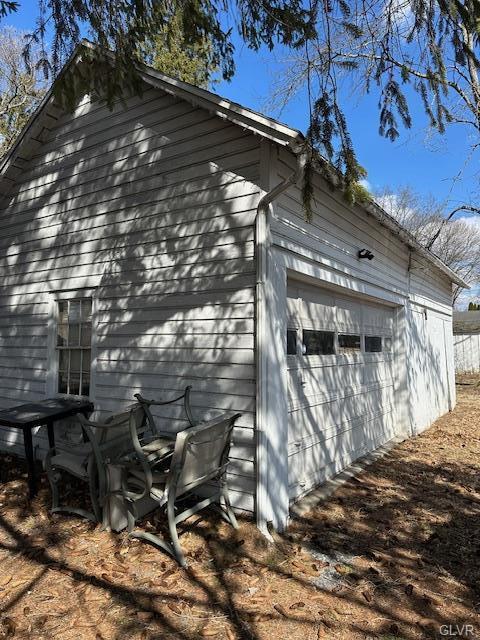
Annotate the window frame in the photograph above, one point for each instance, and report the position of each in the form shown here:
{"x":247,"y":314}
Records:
{"x":298,"y":342}
{"x":53,"y":350}
{"x":319,"y":355}
{"x":375,"y":336}
{"x":350,"y":351}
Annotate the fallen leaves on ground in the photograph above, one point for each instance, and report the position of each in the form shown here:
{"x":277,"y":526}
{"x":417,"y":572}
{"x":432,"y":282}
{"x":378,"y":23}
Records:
{"x":409,"y":524}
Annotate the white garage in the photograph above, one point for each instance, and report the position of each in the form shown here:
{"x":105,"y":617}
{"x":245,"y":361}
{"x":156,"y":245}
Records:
{"x":179,"y":218}
{"x":340,"y":381}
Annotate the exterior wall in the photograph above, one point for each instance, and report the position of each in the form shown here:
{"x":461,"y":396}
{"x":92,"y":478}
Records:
{"x":151,"y":207}
{"x":467,"y":352}
{"x":324,"y":254}
{"x":431,"y":374}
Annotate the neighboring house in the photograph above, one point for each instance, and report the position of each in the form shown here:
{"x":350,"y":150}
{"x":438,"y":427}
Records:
{"x":466,"y":339}
{"x":140,"y":253}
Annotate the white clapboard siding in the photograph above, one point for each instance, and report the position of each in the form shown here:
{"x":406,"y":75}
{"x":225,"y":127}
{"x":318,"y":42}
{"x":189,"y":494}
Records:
{"x":152,"y":205}
{"x":339,"y":410}
{"x":337,"y":231}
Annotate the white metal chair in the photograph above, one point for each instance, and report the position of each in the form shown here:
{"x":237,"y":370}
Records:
{"x":86,"y":461}
{"x":200,"y":457}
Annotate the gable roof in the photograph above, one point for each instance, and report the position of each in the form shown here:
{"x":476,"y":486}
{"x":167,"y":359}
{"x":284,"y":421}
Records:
{"x":269,"y":128}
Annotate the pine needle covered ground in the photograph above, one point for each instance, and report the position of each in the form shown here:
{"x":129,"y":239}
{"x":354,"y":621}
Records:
{"x":394,"y":554}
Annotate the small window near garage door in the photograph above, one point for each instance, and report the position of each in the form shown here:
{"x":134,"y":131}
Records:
{"x":348,"y":343}
{"x":373,"y":344}
{"x":318,"y":343}
{"x":291,"y":342}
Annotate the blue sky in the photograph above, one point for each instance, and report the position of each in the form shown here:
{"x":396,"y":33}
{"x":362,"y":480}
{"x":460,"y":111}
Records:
{"x":425,"y":162}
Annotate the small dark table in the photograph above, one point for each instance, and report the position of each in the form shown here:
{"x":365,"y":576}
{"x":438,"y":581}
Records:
{"x":37,"y":414}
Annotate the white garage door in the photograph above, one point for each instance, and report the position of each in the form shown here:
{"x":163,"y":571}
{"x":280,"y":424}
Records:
{"x":340,"y":382}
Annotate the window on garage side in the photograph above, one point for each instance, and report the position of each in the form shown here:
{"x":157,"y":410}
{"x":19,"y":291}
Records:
{"x":373,"y":344}
{"x":291,"y":342}
{"x":348,"y":342}
{"x":318,"y":343}
{"x":74,"y":343}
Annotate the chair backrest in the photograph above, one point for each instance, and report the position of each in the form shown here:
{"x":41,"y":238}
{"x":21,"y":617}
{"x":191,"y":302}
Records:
{"x":119,"y":424}
{"x":111,"y":437}
{"x":185,"y":396}
{"x":115,"y":427}
{"x":201,"y":454}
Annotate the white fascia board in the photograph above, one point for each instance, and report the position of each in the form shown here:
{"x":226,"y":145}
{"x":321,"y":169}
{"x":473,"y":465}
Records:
{"x":226,"y":109}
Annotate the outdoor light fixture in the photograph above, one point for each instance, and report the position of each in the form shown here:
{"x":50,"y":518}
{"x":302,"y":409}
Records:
{"x":365,"y":253}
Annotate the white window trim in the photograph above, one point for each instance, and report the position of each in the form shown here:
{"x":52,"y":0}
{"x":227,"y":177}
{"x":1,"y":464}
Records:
{"x":52,"y":362}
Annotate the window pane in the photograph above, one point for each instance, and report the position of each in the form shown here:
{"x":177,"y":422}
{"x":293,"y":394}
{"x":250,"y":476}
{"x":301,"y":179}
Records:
{"x":86,"y":309}
{"x":348,"y":342}
{"x":63,"y":312}
{"x":387,"y":344}
{"x":74,"y":388}
{"x":63,"y":371}
{"x":86,"y":335}
{"x":373,"y":344}
{"x":62,"y":335}
{"x":75,"y":361}
{"x":87,"y":356}
{"x":74,"y":335}
{"x":291,"y":342}
{"x":62,"y":382}
{"x":85,"y":386}
{"x":63,"y":360}
{"x":318,"y":342}
{"x":74,"y":311}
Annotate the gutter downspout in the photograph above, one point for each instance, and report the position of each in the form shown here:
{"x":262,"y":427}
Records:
{"x":262,"y":250}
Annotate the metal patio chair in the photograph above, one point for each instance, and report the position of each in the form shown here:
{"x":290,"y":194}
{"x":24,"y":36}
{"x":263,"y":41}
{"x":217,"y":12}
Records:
{"x":200,"y":457}
{"x":161,"y":443}
{"x":86,"y":461}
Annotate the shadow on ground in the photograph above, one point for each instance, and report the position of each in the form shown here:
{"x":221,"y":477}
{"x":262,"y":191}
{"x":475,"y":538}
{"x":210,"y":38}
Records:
{"x":402,"y":541}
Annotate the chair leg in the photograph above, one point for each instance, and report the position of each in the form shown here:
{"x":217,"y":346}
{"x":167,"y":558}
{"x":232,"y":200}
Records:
{"x":94,"y":500}
{"x":177,"y":549}
{"x":54,"y":476}
{"x":131,"y":516}
{"x":54,"y":487}
{"x":228,"y":505}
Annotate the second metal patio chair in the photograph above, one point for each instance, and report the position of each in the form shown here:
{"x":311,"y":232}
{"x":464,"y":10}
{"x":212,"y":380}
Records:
{"x":86,"y":461}
{"x":200,"y":458}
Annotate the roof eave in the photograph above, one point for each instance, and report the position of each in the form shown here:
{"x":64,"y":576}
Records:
{"x":407,"y":238}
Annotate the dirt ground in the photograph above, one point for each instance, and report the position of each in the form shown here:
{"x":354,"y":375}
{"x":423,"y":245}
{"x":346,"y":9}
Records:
{"x":394,"y":554}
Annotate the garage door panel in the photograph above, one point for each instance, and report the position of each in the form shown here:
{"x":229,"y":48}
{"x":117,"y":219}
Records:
{"x":336,"y":381}
{"x":341,"y":404}
{"x":379,"y":371}
{"x":310,"y":465}
{"x":376,"y":393}
{"x":377,"y":319}
{"x":335,"y":428}
{"x":348,"y":315}
{"x":318,"y":415}
{"x":332,"y":377}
